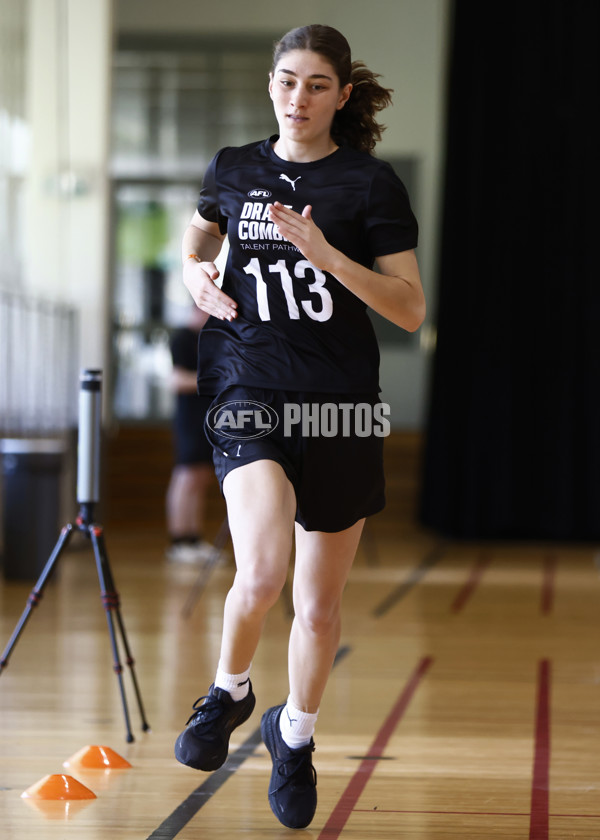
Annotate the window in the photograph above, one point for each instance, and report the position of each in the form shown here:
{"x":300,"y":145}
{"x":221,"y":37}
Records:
{"x":175,"y":104}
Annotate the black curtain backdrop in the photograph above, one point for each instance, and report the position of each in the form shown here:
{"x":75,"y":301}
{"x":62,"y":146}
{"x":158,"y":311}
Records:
{"x":513,"y":434}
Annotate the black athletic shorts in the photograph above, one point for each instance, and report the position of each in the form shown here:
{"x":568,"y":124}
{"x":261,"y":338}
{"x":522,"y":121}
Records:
{"x":330,"y":446}
{"x":189,"y":436}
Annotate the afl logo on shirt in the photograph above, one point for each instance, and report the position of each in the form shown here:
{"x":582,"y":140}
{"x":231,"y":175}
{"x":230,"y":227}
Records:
{"x":259,"y":194}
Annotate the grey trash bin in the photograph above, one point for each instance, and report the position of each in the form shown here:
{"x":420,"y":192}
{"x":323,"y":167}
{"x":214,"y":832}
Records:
{"x":31,"y":494}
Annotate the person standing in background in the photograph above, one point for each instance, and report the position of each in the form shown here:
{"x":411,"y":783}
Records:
{"x":193,"y":469}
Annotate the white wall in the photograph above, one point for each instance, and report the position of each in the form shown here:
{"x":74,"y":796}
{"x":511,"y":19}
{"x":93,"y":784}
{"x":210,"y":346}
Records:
{"x":68,"y":110}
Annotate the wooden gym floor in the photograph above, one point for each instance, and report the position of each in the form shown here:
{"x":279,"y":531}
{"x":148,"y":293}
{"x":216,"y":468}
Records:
{"x":464,"y":703}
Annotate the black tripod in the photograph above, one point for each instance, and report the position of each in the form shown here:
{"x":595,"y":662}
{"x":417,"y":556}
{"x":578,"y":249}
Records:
{"x":88,"y":494}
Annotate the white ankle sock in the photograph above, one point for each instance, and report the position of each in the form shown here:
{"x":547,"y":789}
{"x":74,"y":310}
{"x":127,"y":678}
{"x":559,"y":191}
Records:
{"x":296,"y":727}
{"x":238,"y":685}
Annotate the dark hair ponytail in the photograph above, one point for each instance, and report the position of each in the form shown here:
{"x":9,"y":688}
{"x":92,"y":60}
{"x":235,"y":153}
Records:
{"x":354,"y":124}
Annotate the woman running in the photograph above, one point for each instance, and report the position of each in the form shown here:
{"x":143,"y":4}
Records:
{"x":297,"y":426}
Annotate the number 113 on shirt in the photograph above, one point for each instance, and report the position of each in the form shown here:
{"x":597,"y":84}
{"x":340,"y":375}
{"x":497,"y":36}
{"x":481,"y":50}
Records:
{"x":300,"y":269}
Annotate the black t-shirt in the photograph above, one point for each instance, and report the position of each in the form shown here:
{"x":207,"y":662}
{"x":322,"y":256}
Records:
{"x":184,"y":348}
{"x":190,"y":409}
{"x":298,"y":328}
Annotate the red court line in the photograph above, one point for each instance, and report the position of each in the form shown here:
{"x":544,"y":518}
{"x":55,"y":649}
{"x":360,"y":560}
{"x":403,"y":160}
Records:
{"x":547,"y":599}
{"x":340,"y":814}
{"x":540,"y":789}
{"x":445,"y":813}
{"x":472,"y":583}
{"x":473,"y":813}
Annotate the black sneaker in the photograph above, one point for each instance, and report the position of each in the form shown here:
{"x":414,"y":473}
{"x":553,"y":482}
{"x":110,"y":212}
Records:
{"x":204,"y":743}
{"x":293,"y":785}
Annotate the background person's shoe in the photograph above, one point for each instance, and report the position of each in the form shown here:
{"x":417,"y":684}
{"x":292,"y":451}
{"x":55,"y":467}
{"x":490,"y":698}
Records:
{"x":188,"y":553}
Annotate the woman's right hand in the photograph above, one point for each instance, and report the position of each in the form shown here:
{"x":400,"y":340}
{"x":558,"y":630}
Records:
{"x":199,"y":278}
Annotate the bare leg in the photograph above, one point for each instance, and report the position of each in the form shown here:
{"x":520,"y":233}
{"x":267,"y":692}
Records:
{"x":261,"y":506}
{"x":323,"y":563}
{"x":186,"y":499}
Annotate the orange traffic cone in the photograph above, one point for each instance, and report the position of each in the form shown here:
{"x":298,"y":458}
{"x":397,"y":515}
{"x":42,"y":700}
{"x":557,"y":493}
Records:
{"x":97,"y":758}
{"x":58,"y":786}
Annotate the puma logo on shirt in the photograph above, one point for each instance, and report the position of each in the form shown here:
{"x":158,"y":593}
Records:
{"x":284,"y":177}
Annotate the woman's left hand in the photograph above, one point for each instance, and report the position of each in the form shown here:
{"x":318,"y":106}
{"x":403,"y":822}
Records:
{"x":301,"y":231}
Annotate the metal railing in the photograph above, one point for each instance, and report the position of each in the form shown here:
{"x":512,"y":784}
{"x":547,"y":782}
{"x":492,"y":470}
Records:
{"x":38,"y":366}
